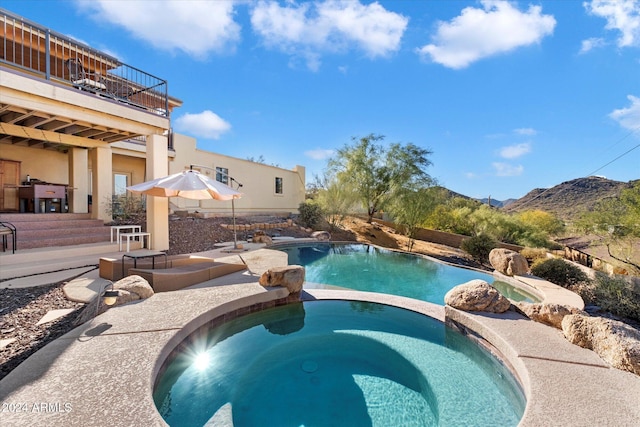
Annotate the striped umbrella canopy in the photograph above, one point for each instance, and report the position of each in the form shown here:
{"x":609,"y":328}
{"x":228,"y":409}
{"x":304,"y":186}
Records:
{"x":189,"y":184}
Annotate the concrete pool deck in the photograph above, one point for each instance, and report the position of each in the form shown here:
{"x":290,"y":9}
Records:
{"x":103,"y":372}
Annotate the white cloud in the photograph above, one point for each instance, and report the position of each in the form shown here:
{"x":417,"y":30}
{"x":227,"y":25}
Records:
{"x":309,"y":30}
{"x":478,"y":33}
{"x":195,"y":27}
{"x":592,"y":43}
{"x":319,"y":154}
{"x":206,"y":125}
{"x":526,"y":131}
{"x":514,"y":151}
{"x":628,"y":118}
{"x":621,"y":15}
{"x":505,"y":169}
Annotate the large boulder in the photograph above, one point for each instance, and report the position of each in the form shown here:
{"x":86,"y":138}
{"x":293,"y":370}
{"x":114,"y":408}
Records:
{"x":477,"y":295}
{"x":615,"y":342}
{"x":262,"y":237}
{"x":508,"y":262}
{"x":323,"y":236}
{"x":130,"y":288}
{"x":290,"y":276}
{"x":549,"y":314}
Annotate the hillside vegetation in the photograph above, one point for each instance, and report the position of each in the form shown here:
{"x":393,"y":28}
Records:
{"x":570,"y":198}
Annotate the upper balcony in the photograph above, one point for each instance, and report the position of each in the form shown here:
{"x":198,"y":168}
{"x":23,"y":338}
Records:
{"x":43,"y":53}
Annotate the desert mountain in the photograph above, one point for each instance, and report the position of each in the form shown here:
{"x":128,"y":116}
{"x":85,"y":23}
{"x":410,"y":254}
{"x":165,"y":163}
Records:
{"x":497,"y":203}
{"x":570,"y":197}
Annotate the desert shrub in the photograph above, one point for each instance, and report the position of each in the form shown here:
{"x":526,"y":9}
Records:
{"x":534,"y":254}
{"x":126,"y":209}
{"x":479,"y":247}
{"x":618,"y":295}
{"x":310,"y":213}
{"x":543,"y":221}
{"x":559,"y":271}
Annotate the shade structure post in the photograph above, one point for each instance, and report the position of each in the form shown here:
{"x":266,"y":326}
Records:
{"x":235,"y":230}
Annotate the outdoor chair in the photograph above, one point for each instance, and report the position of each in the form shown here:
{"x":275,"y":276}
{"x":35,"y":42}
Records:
{"x":83,"y":79}
{"x":6,"y":229}
{"x":110,"y":85}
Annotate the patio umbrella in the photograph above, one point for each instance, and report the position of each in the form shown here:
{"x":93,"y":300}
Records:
{"x":190,"y":184}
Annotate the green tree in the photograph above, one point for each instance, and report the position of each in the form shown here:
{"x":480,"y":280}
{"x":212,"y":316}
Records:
{"x":410,"y":208}
{"x":452,"y":214}
{"x":542,"y":220}
{"x":617,"y":221}
{"x":471,"y":218}
{"x":377,"y":173}
{"x":336,"y":199}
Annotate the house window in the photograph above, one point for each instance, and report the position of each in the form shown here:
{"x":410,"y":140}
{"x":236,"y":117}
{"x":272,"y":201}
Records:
{"x":278,"y":185}
{"x":120,"y":183}
{"x":222,"y":175}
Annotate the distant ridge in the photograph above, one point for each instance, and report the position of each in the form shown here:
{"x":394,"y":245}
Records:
{"x":497,"y":203}
{"x":570,"y":197}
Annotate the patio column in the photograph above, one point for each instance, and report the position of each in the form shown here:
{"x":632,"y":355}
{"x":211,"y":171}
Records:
{"x":102,"y":185}
{"x":78,"y":180}
{"x":157,"y":207}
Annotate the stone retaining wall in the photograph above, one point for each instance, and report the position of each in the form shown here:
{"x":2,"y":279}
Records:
{"x":260,"y":226}
{"x":593,"y":262}
{"x":448,"y":239}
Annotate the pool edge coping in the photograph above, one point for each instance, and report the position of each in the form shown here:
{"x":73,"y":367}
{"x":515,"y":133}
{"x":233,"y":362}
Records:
{"x":66,"y":363}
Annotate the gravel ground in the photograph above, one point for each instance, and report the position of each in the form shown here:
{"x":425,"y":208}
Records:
{"x":20,"y":310}
{"x":190,"y":234}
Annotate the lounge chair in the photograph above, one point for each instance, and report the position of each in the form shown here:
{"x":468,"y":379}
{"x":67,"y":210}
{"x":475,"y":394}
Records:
{"x":83,"y":79}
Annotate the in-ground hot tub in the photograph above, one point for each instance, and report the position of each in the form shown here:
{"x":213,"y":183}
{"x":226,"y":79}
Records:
{"x":333,"y":363}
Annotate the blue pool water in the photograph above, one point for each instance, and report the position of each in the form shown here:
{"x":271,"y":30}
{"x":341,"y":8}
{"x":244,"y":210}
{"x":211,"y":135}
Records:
{"x":336,"y":363}
{"x":368,"y":268}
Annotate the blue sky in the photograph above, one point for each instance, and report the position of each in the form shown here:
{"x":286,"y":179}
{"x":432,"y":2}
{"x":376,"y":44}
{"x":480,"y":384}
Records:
{"x":509,"y":96}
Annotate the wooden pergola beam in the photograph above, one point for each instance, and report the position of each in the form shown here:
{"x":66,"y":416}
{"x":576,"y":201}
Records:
{"x":48,"y":136}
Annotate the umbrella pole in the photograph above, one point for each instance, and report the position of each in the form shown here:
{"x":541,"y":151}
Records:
{"x":235,"y":231}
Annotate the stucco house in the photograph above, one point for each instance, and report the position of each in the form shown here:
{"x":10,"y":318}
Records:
{"x":77,"y":126}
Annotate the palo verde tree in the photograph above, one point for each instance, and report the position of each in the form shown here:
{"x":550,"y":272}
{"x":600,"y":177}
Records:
{"x":376,"y":173}
{"x":410,"y":209}
{"x":337,"y":199}
{"x":617,"y":221}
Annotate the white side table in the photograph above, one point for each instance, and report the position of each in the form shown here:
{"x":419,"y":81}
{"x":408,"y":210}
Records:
{"x":119,"y":228}
{"x":130,"y":236}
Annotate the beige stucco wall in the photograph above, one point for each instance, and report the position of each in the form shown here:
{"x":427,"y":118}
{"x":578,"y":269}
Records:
{"x":132,"y":166}
{"x":258,"y":179}
{"x":259,"y":196}
{"x":45,"y":165}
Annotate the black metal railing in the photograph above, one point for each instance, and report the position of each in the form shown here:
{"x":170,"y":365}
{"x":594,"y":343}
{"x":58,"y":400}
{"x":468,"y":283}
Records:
{"x":42,"y":52}
{"x":142,"y":139}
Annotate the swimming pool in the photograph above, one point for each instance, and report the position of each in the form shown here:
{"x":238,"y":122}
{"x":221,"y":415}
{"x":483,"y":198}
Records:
{"x":336,"y":363}
{"x":369,"y":268}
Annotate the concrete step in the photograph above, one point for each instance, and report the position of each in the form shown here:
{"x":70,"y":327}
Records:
{"x":40,"y":242}
{"x":63,"y":231}
{"x":30,"y":217}
{"x":45,"y":224}
{"x":53,"y":230}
